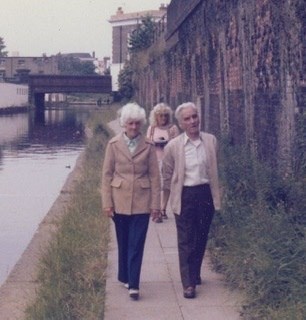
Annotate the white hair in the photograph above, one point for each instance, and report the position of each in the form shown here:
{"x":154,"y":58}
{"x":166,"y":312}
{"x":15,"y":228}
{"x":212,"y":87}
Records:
{"x":160,"y":108}
{"x":132,"y":111}
{"x":183,"y":106}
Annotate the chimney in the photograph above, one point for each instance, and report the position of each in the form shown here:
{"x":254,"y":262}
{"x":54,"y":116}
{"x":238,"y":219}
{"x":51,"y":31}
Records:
{"x":162,"y":7}
{"x":119,"y":11}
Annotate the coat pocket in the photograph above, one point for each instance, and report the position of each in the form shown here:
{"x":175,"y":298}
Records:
{"x":145,"y":183}
{"x":116,"y":182}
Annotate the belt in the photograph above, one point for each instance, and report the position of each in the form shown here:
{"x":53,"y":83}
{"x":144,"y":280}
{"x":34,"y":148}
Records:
{"x":204,"y":185}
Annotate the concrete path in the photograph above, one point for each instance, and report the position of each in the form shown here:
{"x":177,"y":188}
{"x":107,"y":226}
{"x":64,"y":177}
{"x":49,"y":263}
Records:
{"x":161,"y":295}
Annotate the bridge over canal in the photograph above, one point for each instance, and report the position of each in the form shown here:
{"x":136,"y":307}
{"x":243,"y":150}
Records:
{"x":41,"y":84}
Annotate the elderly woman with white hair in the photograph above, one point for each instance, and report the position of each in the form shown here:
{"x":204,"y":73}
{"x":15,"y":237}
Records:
{"x":160,"y":131}
{"x":131,"y":192}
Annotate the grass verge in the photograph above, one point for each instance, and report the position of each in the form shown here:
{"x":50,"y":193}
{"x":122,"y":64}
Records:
{"x":72,"y":272}
{"x":258,"y":242}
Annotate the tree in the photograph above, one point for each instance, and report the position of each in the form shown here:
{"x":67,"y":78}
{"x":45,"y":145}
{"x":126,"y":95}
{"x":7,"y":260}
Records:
{"x":2,"y":46}
{"x":143,"y":36}
{"x":107,"y":71}
{"x":125,"y":77}
{"x":70,"y":65}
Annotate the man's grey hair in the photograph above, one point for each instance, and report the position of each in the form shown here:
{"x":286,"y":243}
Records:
{"x":182,"y":107}
{"x":132,"y":111}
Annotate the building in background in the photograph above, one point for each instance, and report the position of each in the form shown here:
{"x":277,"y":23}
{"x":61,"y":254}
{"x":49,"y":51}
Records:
{"x":17,"y":69}
{"x":103,"y":66}
{"x":122,"y":26}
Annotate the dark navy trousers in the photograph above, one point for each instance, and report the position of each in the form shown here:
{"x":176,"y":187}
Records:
{"x":131,"y":232}
{"x":197,"y":210}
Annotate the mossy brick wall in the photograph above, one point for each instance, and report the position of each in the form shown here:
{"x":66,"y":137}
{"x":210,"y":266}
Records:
{"x":243,"y":63}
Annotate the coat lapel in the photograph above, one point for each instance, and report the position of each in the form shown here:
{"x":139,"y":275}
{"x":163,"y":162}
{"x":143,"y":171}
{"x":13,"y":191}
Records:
{"x":123,"y":147}
{"x":140,"y":146}
{"x":207,"y":146}
{"x":181,"y":157}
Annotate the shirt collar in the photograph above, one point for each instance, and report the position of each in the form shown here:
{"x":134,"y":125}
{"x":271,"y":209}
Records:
{"x":127,"y":139}
{"x":187,"y":139}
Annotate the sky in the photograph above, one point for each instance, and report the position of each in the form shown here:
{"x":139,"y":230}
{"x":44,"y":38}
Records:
{"x":36,"y":27}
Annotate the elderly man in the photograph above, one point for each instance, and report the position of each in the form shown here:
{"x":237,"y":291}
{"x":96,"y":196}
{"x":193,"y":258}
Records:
{"x":190,"y":185}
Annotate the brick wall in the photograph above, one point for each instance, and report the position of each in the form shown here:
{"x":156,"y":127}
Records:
{"x":243,"y":63}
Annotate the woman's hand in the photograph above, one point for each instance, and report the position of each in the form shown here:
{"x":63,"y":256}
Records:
{"x":109,"y":212}
{"x":155,"y":214}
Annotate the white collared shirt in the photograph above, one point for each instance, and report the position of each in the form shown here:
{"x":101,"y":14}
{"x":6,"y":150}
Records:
{"x":195,"y":162}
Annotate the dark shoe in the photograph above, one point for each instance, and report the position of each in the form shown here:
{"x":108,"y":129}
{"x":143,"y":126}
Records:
{"x":198,"y":280}
{"x":189,"y":293}
{"x":164,"y":214}
{"x":158,"y":220}
{"x":134,"y":294}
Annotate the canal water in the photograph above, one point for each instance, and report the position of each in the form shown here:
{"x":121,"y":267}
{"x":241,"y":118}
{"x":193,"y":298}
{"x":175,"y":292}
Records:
{"x":37,"y":152}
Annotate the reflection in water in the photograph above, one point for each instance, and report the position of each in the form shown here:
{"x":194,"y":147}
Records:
{"x":12,"y":128}
{"x":35,"y":159}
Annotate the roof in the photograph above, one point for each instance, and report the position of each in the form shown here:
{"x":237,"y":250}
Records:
{"x":78,"y":54}
{"x":120,"y":16}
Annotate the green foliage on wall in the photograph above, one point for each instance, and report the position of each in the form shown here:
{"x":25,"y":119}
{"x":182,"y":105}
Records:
{"x":126,"y":89}
{"x":142,"y":37}
{"x":258,"y":241}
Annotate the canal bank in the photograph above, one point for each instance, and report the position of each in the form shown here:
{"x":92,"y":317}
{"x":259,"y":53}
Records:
{"x":19,"y":289}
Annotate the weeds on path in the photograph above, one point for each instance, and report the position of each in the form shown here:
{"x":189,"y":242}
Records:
{"x":258,"y":241}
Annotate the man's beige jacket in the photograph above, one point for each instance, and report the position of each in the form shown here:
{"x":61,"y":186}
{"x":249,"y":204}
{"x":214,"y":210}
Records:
{"x":173,"y":169}
{"x":130,"y":182}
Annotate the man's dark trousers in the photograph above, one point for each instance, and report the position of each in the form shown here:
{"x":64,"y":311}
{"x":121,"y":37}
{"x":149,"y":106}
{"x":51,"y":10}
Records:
{"x":197,"y":210}
{"x":131,"y":231}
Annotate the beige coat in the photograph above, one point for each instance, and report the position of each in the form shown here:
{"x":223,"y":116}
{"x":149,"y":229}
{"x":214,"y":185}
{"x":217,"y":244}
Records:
{"x":174,"y":167}
{"x":130,"y":182}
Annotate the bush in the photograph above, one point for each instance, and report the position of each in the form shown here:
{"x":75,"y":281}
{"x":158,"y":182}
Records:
{"x":143,"y":36}
{"x":126,"y":89}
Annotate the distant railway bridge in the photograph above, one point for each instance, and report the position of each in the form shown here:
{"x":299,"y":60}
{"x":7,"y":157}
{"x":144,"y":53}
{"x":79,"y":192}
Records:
{"x":39,"y":85}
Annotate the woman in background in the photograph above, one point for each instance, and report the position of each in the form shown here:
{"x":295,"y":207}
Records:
{"x":160,"y":131}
